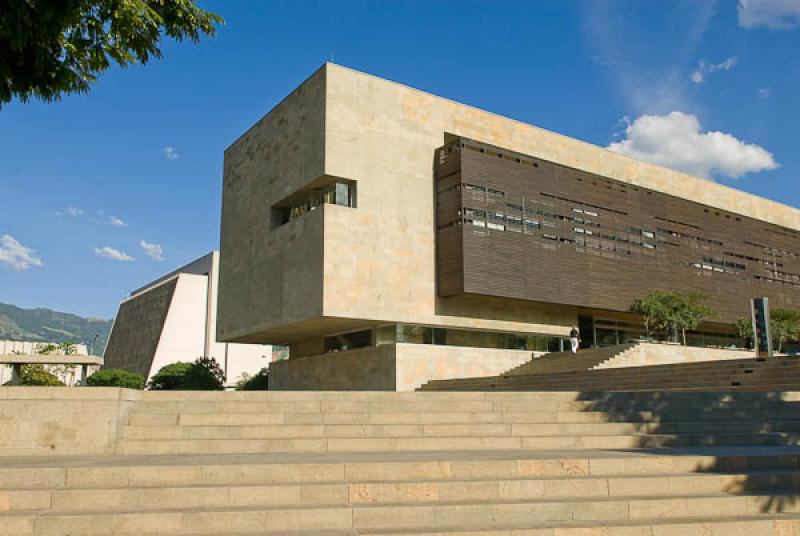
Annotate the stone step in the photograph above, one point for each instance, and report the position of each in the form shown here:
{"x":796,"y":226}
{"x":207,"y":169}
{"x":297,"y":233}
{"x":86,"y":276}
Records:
{"x":396,"y":492}
{"x":360,"y":444}
{"x":761,"y":525}
{"x":380,"y":430}
{"x":239,"y":469}
{"x":574,"y":417}
{"x":420,"y":516}
{"x":450,"y":430}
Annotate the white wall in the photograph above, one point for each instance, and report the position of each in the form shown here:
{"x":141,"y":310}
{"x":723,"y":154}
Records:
{"x":183,"y":336}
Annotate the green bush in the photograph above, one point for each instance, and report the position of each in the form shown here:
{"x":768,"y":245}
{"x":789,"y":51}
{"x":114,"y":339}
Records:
{"x":115,"y":378}
{"x":259,"y":382}
{"x":38,"y":375}
{"x":169,"y":377}
{"x":204,"y":374}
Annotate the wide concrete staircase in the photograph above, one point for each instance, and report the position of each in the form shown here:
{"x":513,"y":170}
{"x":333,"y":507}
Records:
{"x":370,"y":463}
{"x":756,"y":374}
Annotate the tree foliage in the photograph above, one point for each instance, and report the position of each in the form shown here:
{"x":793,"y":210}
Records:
{"x":38,"y":375}
{"x":204,"y":374}
{"x":784,"y":327}
{"x":51,"y":48}
{"x":115,"y":378}
{"x":169,"y":377}
{"x":668,"y":313}
{"x":744,"y":329}
{"x":257,"y":382}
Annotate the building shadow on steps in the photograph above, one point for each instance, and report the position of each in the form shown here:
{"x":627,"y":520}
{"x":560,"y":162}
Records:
{"x":751,"y":436}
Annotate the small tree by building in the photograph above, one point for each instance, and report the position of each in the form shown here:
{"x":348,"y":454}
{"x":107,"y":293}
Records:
{"x":690,"y":310}
{"x":671,"y":312}
{"x":784,"y":327}
{"x":744,"y":329}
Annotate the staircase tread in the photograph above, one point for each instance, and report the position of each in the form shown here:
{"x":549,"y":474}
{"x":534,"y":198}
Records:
{"x":789,"y":494}
{"x":387,"y":456}
{"x":475,"y":528}
{"x":762,"y":473}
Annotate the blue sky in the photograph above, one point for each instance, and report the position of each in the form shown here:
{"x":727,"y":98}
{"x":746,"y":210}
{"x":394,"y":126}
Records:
{"x":101,"y":193}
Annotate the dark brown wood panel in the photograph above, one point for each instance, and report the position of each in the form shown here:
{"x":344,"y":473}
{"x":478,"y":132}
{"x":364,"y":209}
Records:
{"x":515,"y":226}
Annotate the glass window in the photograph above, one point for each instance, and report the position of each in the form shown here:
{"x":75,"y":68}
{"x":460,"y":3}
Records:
{"x":336,"y":193}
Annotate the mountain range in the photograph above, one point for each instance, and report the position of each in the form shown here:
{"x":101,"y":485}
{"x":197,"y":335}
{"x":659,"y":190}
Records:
{"x":46,"y":325}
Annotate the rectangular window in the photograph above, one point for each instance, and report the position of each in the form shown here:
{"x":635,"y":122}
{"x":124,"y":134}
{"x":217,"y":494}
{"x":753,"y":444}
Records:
{"x":475,"y":192}
{"x":335,"y":193}
{"x":532,"y":224}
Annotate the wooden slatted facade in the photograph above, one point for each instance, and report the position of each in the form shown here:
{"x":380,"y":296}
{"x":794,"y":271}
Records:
{"x":511,"y":225}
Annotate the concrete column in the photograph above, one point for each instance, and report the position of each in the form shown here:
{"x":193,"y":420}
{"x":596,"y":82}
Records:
{"x":16,"y":374}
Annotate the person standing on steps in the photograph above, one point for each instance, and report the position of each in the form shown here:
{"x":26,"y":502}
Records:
{"x":574,"y":339}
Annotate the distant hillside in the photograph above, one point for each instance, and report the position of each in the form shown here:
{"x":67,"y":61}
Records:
{"x":45,"y":325}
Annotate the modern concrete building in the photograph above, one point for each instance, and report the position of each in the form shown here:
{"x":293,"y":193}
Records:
{"x":174,"y":319}
{"x":390,"y":236}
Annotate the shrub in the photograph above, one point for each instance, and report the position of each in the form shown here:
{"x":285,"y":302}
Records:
{"x":204,"y":374}
{"x":115,"y":378}
{"x":38,"y":375}
{"x":169,"y":377}
{"x":259,"y":382}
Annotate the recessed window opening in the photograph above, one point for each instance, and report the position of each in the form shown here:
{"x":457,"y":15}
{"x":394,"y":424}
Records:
{"x":335,"y":193}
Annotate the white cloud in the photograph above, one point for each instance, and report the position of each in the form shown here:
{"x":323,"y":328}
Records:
{"x":113,"y":220}
{"x":676,"y":141}
{"x":703,"y":68}
{"x":763,"y":93}
{"x":75,"y":212}
{"x":171,"y":153}
{"x":154,"y":251}
{"x":772,"y":14}
{"x":17,"y":256}
{"x":113,"y":254}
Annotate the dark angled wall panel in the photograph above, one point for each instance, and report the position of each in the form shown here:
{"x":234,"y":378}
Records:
{"x":519,"y":227}
{"x":137,"y":329}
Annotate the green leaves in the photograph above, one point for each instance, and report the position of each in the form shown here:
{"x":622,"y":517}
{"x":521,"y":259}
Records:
{"x":668,"y":312}
{"x":48,"y":49}
{"x":784,"y":325}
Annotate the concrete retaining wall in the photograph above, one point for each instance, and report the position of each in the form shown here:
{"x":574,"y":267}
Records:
{"x":37,"y":421}
{"x":363,"y":369}
{"x":400,"y":367}
{"x":646,"y":354}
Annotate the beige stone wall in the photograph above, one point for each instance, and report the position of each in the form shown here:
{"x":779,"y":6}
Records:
{"x":419,"y":363}
{"x":390,"y":367}
{"x":272,"y":277}
{"x":647,"y":354}
{"x":38,"y":421}
{"x":362,"y":369}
